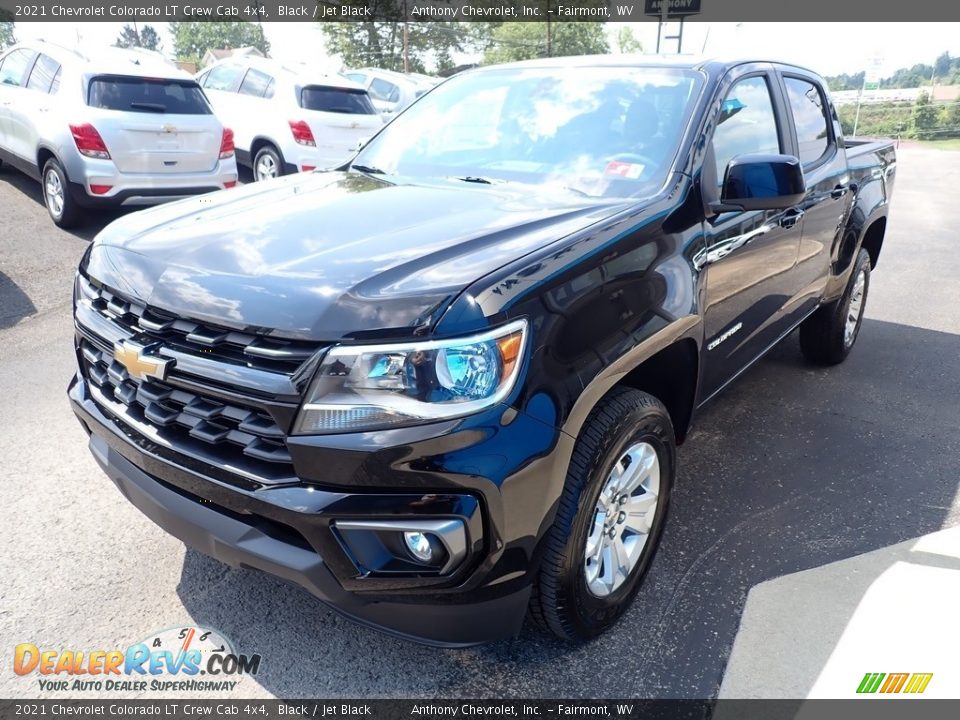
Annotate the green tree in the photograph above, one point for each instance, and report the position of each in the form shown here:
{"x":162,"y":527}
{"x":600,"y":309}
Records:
{"x":924,"y":120}
{"x":7,"y":36}
{"x":430,"y":45}
{"x":513,"y":41}
{"x":192,"y":39}
{"x":146,"y":38}
{"x":627,"y":42}
{"x":943,"y":65}
{"x":950,"y":120}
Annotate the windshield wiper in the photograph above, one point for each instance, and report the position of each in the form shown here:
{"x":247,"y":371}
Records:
{"x":479,"y":180}
{"x":153,"y":107}
{"x":368,"y":169}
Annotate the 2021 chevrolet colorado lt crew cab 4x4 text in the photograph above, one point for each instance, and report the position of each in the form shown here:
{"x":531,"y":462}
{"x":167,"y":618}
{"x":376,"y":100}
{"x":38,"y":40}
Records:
{"x":444,"y":384}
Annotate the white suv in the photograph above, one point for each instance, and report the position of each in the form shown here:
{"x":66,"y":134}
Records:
{"x":123,"y":128}
{"x":289,"y":120}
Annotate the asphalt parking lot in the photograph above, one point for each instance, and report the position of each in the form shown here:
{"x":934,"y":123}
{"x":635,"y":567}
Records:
{"x":791,"y":468}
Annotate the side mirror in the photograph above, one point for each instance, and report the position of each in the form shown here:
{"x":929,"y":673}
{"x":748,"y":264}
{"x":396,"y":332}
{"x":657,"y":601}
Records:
{"x":761,"y":182}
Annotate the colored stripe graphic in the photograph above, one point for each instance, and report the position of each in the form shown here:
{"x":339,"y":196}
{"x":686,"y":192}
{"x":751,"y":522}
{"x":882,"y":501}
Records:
{"x":913,"y":683}
{"x":894,"y":683}
{"x":918,"y":682}
{"x":870,"y":682}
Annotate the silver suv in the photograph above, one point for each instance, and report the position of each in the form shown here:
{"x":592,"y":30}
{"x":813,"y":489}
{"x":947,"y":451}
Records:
{"x":124,"y":128}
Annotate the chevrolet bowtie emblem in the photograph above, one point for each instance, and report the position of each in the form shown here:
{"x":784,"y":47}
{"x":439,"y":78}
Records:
{"x":169,"y":128}
{"x":138,"y":363}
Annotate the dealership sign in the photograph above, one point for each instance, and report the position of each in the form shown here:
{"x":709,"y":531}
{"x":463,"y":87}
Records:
{"x":674,"y":8}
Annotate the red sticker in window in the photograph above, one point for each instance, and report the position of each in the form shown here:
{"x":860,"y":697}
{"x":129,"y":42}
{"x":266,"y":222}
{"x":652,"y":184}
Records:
{"x":624,"y":169}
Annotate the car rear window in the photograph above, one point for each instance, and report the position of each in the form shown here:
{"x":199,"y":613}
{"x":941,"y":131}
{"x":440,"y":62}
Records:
{"x":147,"y":95}
{"x":336,"y":100}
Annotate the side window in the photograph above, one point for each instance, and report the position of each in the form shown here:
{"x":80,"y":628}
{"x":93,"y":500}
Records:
{"x":255,"y":83}
{"x":15,"y":66}
{"x":224,"y":77}
{"x":43,"y":73}
{"x":268,"y":92}
{"x":55,"y":85}
{"x":747,"y":124}
{"x":383,"y":90}
{"x":357,"y":78}
{"x":810,"y":118}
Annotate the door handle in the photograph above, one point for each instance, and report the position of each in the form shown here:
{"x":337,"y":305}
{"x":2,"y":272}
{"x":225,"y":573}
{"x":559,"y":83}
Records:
{"x":839,"y":191}
{"x":790,"y":218}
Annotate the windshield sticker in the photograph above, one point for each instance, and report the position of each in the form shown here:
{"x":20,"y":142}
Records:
{"x":624,"y":169}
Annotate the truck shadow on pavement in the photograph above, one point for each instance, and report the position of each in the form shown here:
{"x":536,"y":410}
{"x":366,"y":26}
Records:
{"x":794,"y":467}
{"x":14,"y":303}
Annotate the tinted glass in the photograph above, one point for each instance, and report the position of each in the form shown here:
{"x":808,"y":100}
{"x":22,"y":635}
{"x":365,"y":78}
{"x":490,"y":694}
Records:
{"x":130,"y":94}
{"x":600,"y":131}
{"x":809,"y":117}
{"x":255,"y":83}
{"x":336,"y":100}
{"x":55,"y":85}
{"x":44,"y":70}
{"x":224,"y":77}
{"x":747,"y":124}
{"x":14,"y":66}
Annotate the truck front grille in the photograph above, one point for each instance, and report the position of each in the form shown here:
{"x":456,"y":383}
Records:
{"x":224,"y":406}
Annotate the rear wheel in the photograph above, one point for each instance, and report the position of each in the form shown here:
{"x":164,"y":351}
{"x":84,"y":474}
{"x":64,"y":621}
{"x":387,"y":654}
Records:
{"x":61,"y":206}
{"x":610,"y":516}
{"x":827,"y":336}
{"x":267,"y":163}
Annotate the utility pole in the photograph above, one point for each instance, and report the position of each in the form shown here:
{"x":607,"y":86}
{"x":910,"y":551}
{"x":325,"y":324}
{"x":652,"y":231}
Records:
{"x":406,"y":40}
{"x":136,"y":35}
{"x":263,"y":39}
{"x":549,"y":33}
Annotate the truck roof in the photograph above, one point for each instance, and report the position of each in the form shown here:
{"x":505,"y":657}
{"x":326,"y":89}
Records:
{"x":692,"y":62}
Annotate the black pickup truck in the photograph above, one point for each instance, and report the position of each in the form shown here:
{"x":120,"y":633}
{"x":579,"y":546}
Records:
{"x":441,"y":387}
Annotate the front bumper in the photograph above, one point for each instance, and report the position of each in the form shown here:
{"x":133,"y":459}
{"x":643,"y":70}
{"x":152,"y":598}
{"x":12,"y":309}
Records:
{"x":286,"y":531}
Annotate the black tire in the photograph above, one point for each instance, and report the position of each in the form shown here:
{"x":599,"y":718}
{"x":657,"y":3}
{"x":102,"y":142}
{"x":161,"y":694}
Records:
{"x":270,"y":154}
{"x":69,"y":213}
{"x":823,"y":337}
{"x":561,"y":601}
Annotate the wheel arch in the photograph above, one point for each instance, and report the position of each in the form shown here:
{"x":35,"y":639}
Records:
{"x":665,"y":365}
{"x":873,"y":239}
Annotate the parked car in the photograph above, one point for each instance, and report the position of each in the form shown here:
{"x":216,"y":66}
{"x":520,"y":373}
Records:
{"x":124,"y":127}
{"x":391,"y":91}
{"x":286,"y":119}
{"x":447,"y":383}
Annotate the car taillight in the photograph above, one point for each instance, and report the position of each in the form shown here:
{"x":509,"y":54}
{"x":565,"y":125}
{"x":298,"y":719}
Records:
{"x":89,"y":142}
{"x":229,"y":184}
{"x":227,"y":147}
{"x":100,"y":189}
{"x":302,"y":133}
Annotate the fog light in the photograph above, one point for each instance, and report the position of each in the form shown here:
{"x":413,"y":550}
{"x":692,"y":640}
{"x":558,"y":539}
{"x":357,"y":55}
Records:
{"x":418,"y":545}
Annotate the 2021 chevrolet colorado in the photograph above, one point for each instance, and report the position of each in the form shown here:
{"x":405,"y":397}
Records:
{"x":443,"y":385}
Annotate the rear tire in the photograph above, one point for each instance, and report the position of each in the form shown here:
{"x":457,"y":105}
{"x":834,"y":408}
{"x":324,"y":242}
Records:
{"x":61,"y":206}
{"x":828,"y":336}
{"x":267,"y":163}
{"x":618,"y":486}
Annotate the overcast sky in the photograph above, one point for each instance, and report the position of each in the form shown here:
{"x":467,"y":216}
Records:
{"x":829,"y":48}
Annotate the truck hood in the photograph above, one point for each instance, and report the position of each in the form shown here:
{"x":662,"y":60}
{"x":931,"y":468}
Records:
{"x":326,"y":256}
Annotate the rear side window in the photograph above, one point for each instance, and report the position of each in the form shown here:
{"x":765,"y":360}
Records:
{"x":809,"y":117}
{"x":43,"y":73}
{"x":147,"y":95}
{"x":747,"y":123}
{"x":336,"y":100}
{"x":224,"y":77}
{"x":14,"y":66}
{"x":255,"y":83}
{"x":383,"y":90}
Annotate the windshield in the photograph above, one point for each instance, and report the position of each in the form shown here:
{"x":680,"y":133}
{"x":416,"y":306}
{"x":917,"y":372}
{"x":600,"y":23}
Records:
{"x":602,"y":131}
{"x":336,"y":100}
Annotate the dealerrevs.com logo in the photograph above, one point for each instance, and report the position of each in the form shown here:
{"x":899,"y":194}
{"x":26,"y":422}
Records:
{"x":183,"y":659}
{"x":890,"y":683}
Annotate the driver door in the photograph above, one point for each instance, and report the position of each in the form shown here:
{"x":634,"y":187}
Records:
{"x":751,"y":257}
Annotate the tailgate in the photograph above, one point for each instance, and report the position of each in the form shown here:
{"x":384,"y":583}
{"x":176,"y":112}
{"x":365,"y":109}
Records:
{"x":155,"y":126}
{"x":339,"y":118}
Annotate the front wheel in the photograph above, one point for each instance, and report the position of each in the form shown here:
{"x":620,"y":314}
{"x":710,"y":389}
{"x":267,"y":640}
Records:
{"x":610,"y":516}
{"x":60,"y":204}
{"x":827,"y":336}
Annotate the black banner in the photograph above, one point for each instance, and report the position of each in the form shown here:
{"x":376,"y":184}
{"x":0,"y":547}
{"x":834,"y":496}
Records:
{"x":858,"y":11}
{"x":874,"y":709}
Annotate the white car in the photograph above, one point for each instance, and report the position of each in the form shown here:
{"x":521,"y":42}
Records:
{"x":124,"y":127}
{"x":289,"y":120}
{"x":391,"y":91}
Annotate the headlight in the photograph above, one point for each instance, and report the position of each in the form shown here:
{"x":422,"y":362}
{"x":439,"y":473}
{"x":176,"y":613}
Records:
{"x":367,"y":387}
